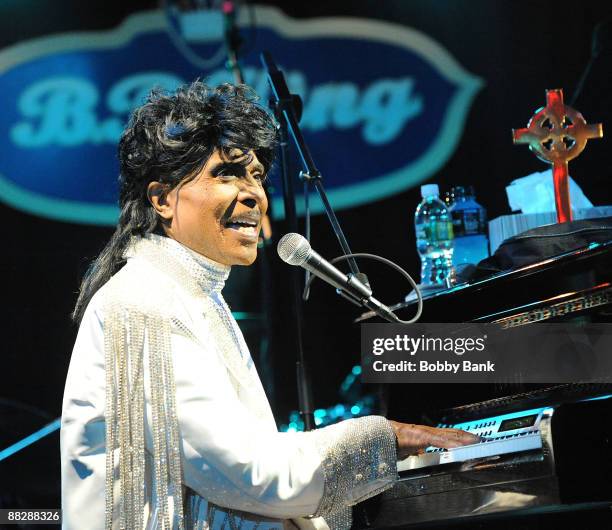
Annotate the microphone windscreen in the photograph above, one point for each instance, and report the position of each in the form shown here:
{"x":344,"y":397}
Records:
{"x":293,"y":248}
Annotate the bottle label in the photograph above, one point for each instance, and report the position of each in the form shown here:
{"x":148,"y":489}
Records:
{"x":468,"y":222}
{"x":444,"y":230}
{"x":435,"y":231}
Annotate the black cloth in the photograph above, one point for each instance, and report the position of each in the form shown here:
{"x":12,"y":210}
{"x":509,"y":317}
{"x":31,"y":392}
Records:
{"x":544,"y":242}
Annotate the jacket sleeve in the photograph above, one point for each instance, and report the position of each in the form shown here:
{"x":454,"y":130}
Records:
{"x":235,"y":460}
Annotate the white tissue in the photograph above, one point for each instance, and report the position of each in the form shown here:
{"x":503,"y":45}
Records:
{"x":535,"y":194}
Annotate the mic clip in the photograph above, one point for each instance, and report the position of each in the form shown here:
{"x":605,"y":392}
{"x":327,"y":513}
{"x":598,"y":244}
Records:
{"x":360,"y":284}
{"x":350,"y":298}
{"x":305,"y":176}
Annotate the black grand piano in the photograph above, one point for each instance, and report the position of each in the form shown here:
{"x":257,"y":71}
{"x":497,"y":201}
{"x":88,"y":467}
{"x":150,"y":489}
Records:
{"x":547,"y":458}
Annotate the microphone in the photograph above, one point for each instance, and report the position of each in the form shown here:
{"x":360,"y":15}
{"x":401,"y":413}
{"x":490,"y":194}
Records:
{"x":296,"y":250}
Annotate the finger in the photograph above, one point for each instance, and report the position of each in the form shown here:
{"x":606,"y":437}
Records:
{"x":466,"y":437}
{"x":449,"y":438}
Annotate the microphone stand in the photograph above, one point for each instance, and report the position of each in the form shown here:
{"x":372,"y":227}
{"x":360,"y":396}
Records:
{"x":287,"y":108}
{"x":284,"y":106}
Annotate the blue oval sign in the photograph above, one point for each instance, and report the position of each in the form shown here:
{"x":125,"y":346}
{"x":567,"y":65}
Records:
{"x":384,"y":106}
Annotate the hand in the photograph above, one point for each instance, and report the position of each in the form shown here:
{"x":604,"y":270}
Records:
{"x":413,"y":439}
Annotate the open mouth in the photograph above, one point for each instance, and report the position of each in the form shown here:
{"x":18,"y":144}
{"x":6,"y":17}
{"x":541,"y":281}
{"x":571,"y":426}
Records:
{"x":247,"y":227}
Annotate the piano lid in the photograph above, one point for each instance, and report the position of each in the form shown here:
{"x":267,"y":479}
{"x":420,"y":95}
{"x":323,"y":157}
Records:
{"x":581,"y":279}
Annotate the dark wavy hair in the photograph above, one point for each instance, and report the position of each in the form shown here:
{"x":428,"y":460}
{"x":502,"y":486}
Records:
{"x":169,"y":139}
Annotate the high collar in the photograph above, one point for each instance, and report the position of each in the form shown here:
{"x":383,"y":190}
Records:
{"x":167,"y":253}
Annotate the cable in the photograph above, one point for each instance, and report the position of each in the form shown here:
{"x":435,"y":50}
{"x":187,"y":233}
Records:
{"x":185,"y":50}
{"x":219,"y":56}
{"x":13,"y":403}
{"x":395,"y":266}
{"x":307,"y":276}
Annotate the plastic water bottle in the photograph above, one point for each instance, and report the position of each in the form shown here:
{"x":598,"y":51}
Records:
{"x":434,"y":234}
{"x":469,"y":227}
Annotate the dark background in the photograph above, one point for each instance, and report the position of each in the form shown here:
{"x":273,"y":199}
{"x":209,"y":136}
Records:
{"x":519,"y":48}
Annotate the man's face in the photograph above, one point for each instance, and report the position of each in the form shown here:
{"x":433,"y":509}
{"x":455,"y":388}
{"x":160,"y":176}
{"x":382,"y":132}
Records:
{"x":219,"y":212}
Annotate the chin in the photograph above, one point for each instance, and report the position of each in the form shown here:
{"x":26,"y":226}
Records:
{"x":245,"y":259}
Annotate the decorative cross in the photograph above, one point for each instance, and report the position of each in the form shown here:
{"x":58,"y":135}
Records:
{"x":557,"y":134}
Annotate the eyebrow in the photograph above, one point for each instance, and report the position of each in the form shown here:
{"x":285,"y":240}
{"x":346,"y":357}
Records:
{"x":238,"y":167}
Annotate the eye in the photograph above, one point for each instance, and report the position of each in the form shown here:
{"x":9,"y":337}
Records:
{"x":227,"y":172}
{"x":226,"y":175}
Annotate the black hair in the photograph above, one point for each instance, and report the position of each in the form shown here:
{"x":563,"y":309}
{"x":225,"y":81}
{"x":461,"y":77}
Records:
{"x":169,"y":139}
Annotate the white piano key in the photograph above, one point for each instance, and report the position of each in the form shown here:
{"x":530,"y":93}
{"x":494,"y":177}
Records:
{"x":491,"y":447}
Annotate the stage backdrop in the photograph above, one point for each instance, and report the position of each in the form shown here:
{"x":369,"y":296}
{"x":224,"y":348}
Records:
{"x":384,"y":105}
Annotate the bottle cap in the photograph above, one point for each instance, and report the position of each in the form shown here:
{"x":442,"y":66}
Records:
{"x":427,"y":190}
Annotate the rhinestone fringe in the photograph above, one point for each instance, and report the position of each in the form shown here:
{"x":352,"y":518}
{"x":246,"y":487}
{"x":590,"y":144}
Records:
{"x":126,"y":330}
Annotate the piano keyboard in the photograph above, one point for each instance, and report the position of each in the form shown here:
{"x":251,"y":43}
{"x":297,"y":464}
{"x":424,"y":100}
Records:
{"x":505,"y":434}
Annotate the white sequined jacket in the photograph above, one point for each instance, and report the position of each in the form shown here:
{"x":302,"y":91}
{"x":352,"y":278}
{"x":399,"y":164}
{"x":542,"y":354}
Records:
{"x":161,"y":374}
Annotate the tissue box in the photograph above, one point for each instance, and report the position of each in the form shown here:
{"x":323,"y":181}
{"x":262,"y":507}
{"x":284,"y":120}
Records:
{"x":535,"y":193}
{"x":506,"y":226}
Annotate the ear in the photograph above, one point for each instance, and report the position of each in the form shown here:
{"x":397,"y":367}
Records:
{"x":157,"y":193}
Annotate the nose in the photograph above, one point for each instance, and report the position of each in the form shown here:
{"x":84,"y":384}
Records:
{"x":252,"y":194}
{"x":251,"y":203}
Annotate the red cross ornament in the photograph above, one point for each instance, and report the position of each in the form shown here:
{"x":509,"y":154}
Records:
{"x":556,"y":134}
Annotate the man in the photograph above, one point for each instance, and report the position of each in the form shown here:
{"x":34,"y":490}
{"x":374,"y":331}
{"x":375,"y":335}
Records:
{"x":165,"y":423}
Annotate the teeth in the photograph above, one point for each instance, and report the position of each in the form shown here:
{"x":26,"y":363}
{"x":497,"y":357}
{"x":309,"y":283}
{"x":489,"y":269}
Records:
{"x":242,"y":223}
{"x":244,"y":228}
